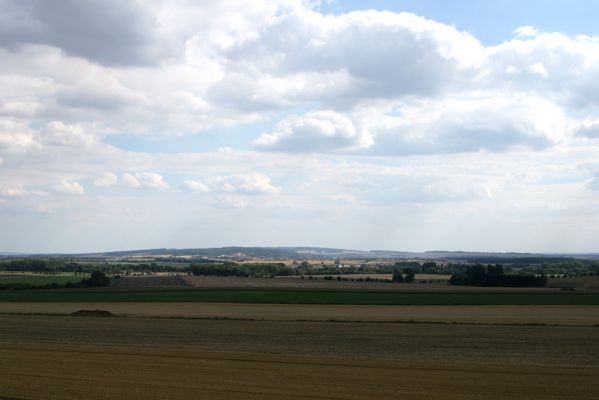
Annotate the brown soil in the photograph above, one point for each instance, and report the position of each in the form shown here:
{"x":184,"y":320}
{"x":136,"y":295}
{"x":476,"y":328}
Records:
{"x":55,"y":357}
{"x":50,"y":372}
{"x":588,"y":283}
{"x":548,"y":315}
{"x":151,"y":281}
{"x":297,"y":282}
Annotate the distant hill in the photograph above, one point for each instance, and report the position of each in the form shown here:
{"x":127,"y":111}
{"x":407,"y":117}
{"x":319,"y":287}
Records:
{"x":301,"y":253}
{"x":306,"y":252}
{"x":11,"y":254}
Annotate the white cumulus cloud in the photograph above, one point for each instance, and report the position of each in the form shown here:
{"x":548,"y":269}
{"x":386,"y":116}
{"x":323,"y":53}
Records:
{"x":316,"y":131}
{"x":69,"y":187}
{"x":250,"y":183}
{"x":106,"y":179}
{"x":16,"y":137}
{"x":195,"y":186}
{"x":12,"y":191}
{"x":150,"y":180}
{"x":526,"y":31}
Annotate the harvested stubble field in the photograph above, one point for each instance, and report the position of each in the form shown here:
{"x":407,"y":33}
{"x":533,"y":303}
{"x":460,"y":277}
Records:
{"x":501,"y":315}
{"x":245,"y":346}
{"x":66,"y":357}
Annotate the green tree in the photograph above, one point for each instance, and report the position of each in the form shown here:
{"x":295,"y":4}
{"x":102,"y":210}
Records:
{"x":397,"y":276}
{"x":410,"y":275}
{"x":97,"y":278}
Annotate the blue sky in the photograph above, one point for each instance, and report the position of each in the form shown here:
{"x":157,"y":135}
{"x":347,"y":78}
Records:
{"x":455,"y":125}
{"x":492,"y":21}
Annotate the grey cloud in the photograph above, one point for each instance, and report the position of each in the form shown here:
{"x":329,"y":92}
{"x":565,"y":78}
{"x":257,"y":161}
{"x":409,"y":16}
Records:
{"x":456,"y":139}
{"x":593,"y":184}
{"x":239,"y":92}
{"x":89,"y":98}
{"x":447,"y":126}
{"x":110,"y":32}
{"x":447,"y":136}
{"x":590,"y":130}
{"x":551,"y":63}
{"x":386,"y":54}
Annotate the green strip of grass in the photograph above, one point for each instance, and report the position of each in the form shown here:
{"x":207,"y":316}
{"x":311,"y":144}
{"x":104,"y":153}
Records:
{"x":279,"y":296}
{"x":31,"y":279}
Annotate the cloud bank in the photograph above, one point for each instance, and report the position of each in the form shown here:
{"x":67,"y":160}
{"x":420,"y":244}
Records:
{"x":359,"y":122}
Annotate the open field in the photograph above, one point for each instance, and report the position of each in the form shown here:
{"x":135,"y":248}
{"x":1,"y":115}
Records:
{"x":34,"y":373}
{"x":277,"y":282}
{"x":162,"y":280}
{"x":54,"y":357}
{"x":297,"y":282}
{"x":590,"y":283}
{"x":305,"y":296}
{"x":532,"y":315}
{"x":289,"y":282}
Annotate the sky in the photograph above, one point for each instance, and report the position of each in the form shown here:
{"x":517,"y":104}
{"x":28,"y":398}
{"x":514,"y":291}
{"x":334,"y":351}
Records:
{"x":399,"y":125}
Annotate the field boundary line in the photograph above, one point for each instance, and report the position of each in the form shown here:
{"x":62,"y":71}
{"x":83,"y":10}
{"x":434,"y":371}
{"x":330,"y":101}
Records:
{"x":341,"y":321}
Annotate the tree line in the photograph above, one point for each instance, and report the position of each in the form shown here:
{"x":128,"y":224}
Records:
{"x":96,"y":279}
{"x":258,"y":269}
{"x":56,"y":265}
{"x":246,"y":270}
{"x":494,"y":275}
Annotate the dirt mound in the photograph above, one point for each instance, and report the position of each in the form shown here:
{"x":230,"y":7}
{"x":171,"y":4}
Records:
{"x":93,"y":313}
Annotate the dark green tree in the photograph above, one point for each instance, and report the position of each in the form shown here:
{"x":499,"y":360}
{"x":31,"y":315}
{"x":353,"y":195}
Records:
{"x":97,"y":279}
{"x":397,"y":276}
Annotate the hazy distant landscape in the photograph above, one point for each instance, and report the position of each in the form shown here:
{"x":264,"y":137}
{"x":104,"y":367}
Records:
{"x":311,"y":252}
{"x":299,"y":199}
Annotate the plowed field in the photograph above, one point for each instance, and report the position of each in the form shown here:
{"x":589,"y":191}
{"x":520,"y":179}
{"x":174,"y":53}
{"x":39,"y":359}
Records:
{"x":60,"y":357}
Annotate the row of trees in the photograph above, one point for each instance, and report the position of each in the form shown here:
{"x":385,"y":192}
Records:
{"x":494,"y":275}
{"x":199,"y":267}
{"x":56,"y":265}
{"x":279,"y":269}
{"x":243,"y":270}
{"x":96,"y":279}
{"x":35,"y":265}
{"x":218,"y":268}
